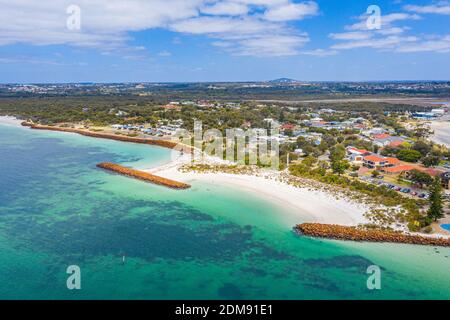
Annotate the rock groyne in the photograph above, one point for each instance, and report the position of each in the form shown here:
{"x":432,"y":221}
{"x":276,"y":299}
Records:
{"x":155,"y":142}
{"x":141,"y":175}
{"x":337,"y":232}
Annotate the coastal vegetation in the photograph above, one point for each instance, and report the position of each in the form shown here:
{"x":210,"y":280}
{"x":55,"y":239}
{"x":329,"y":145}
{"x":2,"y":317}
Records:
{"x":412,"y":209}
{"x":436,"y":210}
{"x":103,"y":110}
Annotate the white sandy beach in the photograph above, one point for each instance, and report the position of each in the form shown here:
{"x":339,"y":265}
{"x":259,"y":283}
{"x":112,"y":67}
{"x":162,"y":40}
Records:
{"x":6,"y":120}
{"x":310,"y":205}
{"x":441,"y":129}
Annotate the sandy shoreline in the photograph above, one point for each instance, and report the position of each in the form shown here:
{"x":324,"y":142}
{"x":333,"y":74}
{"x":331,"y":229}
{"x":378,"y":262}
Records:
{"x":310,"y":205}
{"x":441,"y":130}
{"x":11,"y":121}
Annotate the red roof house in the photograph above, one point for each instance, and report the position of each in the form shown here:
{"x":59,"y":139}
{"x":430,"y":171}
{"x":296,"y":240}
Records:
{"x":392,"y":161}
{"x":381,"y":136}
{"x":398,"y":169}
{"x":287,"y":126}
{"x":396,"y":144}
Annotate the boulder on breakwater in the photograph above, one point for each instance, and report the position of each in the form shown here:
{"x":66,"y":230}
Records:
{"x":337,"y":232}
{"x":141,"y":175}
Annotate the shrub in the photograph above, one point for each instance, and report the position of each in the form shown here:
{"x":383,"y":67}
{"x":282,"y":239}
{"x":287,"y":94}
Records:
{"x":409,"y":155}
{"x":427,"y":229}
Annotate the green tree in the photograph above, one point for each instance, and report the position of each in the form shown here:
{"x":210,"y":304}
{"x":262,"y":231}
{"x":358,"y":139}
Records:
{"x":339,"y":166}
{"x":375,"y":173}
{"x":436,"y":210}
{"x":419,"y":177}
{"x":423,"y":147}
{"x":431,"y":161}
{"x":409,"y":155}
{"x":309,"y":161}
{"x":337,"y":153}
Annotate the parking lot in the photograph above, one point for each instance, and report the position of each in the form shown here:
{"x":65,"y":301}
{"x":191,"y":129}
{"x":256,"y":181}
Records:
{"x":414,"y":192}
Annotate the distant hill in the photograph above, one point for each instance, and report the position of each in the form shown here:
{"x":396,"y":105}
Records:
{"x":283,"y":80}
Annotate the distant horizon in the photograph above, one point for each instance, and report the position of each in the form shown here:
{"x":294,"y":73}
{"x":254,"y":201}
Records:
{"x":238,"y":81}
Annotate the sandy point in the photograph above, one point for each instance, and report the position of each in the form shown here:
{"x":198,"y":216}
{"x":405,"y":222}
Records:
{"x":310,"y":205}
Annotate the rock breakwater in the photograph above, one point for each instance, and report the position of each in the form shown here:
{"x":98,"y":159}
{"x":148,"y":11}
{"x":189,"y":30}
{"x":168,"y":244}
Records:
{"x":337,"y":232}
{"x":141,"y":175}
{"x":161,"y":143}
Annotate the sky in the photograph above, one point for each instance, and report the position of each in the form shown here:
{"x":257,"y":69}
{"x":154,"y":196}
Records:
{"x":58,"y":41}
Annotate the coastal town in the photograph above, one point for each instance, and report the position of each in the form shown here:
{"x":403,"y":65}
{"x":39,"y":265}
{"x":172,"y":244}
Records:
{"x":384,"y":151}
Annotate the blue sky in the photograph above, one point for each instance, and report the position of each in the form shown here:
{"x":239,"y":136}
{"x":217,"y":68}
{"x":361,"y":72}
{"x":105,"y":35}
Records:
{"x":222,"y":40}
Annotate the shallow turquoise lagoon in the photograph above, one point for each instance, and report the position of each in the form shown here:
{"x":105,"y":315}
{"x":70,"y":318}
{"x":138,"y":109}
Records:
{"x":209,"y":242}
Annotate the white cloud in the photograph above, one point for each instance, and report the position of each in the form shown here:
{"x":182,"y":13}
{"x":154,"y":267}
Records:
{"x":106,"y":24}
{"x":390,"y":37}
{"x":164,"y":53}
{"x":248,"y":36}
{"x":441,"y":45}
{"x":252,"y":34}
{"x":390,"y":42}
{"x":320,"y":53}
{"x":22,"y":60}
{"x":292,"y":11}
{"x":226,"y":8}
{"x":350,"y":36}
{"x":219,"y":25}
{"x":103,"y":22}
{"x":386,"y":20}
{"x":281,"y":45}
{"x":443,"y":8}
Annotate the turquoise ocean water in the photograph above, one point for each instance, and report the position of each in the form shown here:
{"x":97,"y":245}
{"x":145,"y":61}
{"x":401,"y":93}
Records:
{"x":209,"y":242}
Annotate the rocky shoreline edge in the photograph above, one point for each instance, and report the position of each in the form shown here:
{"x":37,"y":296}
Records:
{"x":141,"y":175}
{"x":155,"y":142}
{"x":337,"y":232}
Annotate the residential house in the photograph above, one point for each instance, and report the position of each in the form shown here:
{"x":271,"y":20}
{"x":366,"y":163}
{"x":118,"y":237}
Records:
{"x":355,"y":155}
{"x":383,"y":140}
{"x":391,"y":162}
{"x":287,"y":127}
{"x":373,"y":131}
{"x":374,"y":161}
{"x":172,"y":106}
{"x":121,"y":113}
{"x":398,"y":169}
